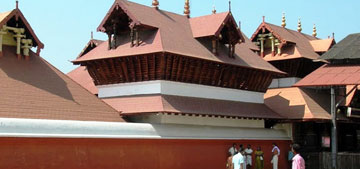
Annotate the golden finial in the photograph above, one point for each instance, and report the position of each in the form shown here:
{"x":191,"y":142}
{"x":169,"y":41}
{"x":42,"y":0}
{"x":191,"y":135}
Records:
{"x":187,"y":9}
{"x":214,"y":10}
{"x":314,"y":34}
{"x":155,"y":4}
{"x":283,"y":21}
{"x":299,"y":29}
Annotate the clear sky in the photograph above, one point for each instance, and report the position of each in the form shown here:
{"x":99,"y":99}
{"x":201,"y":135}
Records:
{"x":64,"y":26}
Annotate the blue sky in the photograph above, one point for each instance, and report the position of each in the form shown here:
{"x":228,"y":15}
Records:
{"x":64,"y":26}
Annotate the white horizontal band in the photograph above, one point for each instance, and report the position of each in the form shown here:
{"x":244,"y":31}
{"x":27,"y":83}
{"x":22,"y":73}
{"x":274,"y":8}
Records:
{"x":179,"y":89}
{"x":79,"y":129}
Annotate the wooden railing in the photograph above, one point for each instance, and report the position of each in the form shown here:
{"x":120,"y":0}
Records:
{"x":323,"y":160}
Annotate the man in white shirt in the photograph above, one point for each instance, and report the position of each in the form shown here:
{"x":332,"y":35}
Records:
{"x":233,"y":150}
{"x":248,"y":154}
{"x":238,"y":160}
{"x":276,"y":153}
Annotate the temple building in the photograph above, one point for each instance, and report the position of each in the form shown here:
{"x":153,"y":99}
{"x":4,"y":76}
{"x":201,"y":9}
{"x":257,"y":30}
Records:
{"x":185,"y":75}
{"x":340,"y":78}
{"x":306,"y":109}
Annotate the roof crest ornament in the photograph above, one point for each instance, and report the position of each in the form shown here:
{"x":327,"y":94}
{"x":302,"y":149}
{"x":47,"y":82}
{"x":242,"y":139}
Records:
{"x":263,"y":19}
{"x":214,"y":9}
{"x":299,"y":28}
{"x":314,"y":34}
{"x":229,"y":5}
{"x":187,"y":8}
{"x":155,"y":4}
{"x":17,"y":4}
{"x":283,"y":21}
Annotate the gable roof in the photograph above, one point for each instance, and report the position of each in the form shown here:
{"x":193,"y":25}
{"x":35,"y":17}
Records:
{"x":348,"y":48}
{"x":302,"y":43}
{"x":35,"y":89}
{"x":7,"y":16}
{"x":93,"y":43}
{"x":322,"y":45}
{"x":173,"y":34}
{"x":211,"y":25}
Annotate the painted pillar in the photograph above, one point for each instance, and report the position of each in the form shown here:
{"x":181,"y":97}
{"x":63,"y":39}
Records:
{"x":272,"y":45}
{"x":333,"y":130}
{"x":262,"y":46}
{"x":27,"y":46}
{"x":2,"y":33}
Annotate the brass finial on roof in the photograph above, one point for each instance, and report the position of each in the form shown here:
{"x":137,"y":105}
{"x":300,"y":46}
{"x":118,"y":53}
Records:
{"x":314,"y":34}
{"x":17,"y":4}
{"x":283,"y":21}
{"x":214,"y":10}
{"x":263,"y":19}
{"x":299,"y":28}
{"x":187,"y":8}
{"x":92,"y":35}
{"x":155,"y":4}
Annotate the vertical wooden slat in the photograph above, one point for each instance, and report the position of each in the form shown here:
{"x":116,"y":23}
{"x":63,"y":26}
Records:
{"x":131,"y":66}
{"x":168,"y":67}
{"x":197,"y":72}
{"x":152,"y":67}
{"x":174,"y":67}
{"x":179,"y":68}
{"x":124,"y":68}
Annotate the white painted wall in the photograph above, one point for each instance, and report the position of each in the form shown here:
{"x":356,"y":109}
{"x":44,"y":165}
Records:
{"x":179,"y":89}
{"x":286,"y":127}
{"x":34,"y":128}
{"x":284,"y":82}
{"x":198,"y":120}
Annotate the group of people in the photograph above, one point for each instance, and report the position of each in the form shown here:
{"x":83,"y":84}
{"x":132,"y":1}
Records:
{"x":241,"y":158}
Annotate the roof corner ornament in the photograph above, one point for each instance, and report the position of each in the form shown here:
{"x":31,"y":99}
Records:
{"x":92,"y":35}
{"x":155,"y":4}
{"x":263,"y":17}
{"x":283,"y":21}
{"x":17,"y":4}
{"x":299,"y":28}
{"x":187,"y":8}
{"x":314,"y":34}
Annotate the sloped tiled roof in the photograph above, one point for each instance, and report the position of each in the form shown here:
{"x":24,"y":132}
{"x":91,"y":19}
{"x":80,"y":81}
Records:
{"x":332,"y":75}
{"x":82,"y":77}
{"x":210,"y":25}
{"x":189,"y":105}
{"x":174,"y":34}
{"x":322,"y":45}
{"x":298,"y":104}
{"x":35,"y":89}
{"x":348,"y":48}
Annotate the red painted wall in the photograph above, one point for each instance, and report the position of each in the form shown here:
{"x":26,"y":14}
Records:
{"x":31,"y":153}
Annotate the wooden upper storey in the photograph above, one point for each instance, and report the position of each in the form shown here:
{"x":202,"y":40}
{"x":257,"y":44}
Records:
{"x":147,"y":43}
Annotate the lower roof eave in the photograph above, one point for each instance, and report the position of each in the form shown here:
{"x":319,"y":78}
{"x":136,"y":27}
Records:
{"x":129,"y":114}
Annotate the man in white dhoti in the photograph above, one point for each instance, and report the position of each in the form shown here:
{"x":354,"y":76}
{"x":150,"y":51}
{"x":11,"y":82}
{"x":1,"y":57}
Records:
{"x":276,"y":152}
